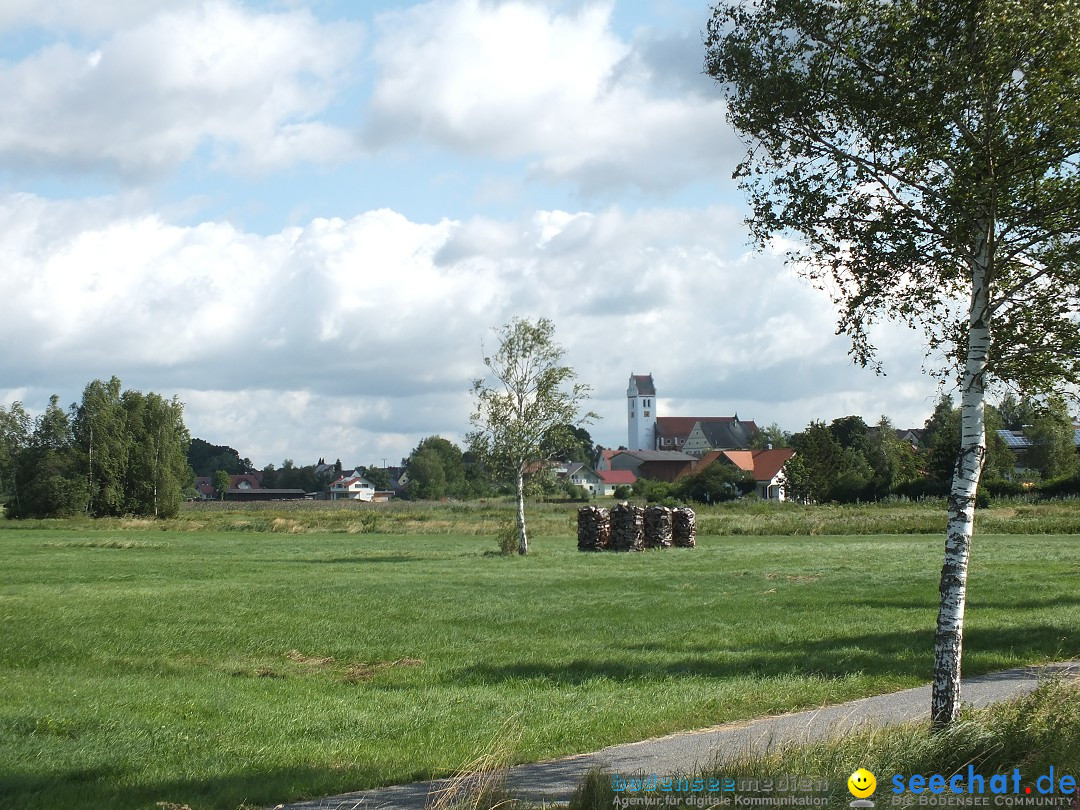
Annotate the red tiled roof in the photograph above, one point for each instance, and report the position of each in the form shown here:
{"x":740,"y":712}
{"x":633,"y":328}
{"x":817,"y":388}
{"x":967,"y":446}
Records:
{"x":767,"y":463}
{"x":743,"y":459}
{"x":762,"y":464}
{"x":617,"y":477}
{"x":345,"y":483}
{"x":681,"y":426}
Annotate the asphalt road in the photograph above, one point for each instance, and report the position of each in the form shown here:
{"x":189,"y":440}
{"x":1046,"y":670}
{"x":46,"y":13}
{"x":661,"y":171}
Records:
{"x":690,"y":751}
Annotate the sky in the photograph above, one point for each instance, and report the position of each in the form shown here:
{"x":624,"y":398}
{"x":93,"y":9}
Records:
{"x":305,"y":220}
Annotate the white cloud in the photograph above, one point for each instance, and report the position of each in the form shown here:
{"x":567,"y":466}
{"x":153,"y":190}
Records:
{"x":101,"y":15}
{"x":359,"y":336}
{"x":554,"y":84}
{"x":145,"y":98}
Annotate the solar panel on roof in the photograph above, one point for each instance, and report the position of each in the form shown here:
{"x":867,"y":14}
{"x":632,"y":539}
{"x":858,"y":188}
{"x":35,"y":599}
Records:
{"x":1014,"y":440}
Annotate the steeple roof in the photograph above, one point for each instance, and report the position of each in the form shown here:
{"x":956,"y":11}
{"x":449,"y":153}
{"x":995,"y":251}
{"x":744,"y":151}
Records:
{"x":644,"y":384}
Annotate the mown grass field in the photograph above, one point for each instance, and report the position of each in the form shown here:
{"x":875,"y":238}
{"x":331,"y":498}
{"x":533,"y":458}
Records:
{"x":232,"y":659}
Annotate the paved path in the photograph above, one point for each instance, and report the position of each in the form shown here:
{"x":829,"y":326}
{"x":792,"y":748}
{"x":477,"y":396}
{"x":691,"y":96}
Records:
{"x":688,"y":752}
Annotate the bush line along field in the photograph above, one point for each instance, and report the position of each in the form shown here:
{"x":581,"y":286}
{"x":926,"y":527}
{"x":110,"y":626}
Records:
{"x":208,"y":661}
{"x":487,"y":517}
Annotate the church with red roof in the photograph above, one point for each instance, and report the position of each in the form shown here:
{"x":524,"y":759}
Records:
{"x":694,"y":435}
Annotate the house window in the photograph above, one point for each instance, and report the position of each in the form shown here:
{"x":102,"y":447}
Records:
{"x":646,"y":414}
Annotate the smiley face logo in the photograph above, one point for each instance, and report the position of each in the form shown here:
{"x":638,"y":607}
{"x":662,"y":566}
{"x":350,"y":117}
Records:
{"x":862,"y":783}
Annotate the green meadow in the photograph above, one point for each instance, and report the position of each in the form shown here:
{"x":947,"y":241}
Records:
{"x":251,"y":657}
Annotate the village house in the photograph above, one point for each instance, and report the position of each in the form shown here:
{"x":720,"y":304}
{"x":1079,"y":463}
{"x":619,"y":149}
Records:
{"x":352,"y":486}
{"x":666,"y":448}
{"x":766,"y":466}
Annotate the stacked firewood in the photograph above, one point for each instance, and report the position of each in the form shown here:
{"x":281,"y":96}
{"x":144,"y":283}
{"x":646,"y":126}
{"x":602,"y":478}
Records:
{"x":627,"y":528}
{"x":684,"y":527}
{"x":593,"y":528}
{"x":631,"y":528}
{"x":657,"y":527}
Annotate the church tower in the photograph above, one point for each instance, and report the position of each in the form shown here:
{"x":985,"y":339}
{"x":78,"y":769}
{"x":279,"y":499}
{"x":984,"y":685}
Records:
{"x":641,"y":412}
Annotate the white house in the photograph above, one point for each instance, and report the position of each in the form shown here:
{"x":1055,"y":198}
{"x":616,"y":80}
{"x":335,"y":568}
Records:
{"x":577,"y":473}
{"x":767,"y":467}
{"x":598,"y":482}
{"x":609,"y":479}
{"x":352,"y":486}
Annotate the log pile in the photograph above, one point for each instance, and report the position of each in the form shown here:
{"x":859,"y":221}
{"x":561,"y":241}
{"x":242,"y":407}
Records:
{"x":684,"y":527}
{"x":631,"y":528}
{"x":657,"y":527}
{"x":593,"y":528}
{"x":627,"y":528}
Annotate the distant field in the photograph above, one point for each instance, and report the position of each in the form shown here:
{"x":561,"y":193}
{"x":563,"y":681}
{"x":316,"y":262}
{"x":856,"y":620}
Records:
{"x":223,"y":665}
{"x":485,"y":517}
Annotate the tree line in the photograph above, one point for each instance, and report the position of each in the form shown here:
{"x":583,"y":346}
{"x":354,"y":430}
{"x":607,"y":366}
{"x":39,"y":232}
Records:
{"x":114,"y":453}
{"x":847,"y":460}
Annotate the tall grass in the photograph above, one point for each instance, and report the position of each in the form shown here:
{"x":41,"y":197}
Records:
{"x":489,"y":516}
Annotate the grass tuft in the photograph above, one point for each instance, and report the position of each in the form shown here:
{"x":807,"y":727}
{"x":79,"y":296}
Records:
{"x":125,"y":544}
{"x":481,"y":784}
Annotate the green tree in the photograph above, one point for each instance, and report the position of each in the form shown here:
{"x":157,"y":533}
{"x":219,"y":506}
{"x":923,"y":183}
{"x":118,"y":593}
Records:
{"x":942,"y":447}
{"x":854,"y":475}
{"x":570,"y":443}
{"x":519,"y":413}
{"x":813,"y":472}
{"x":427,"y":479}
{"x":926,"y":154}
{"x":292,"y":477}
{"x":437,"y":470}
{"x":205,"y":458}
{"x":378,"y":477}
{"x":221,"y":481}
{"x":894,"y":462}
{"x":718,"y":482}
{"x":103,"y":438}
{"x":771,"y":436}
{"x":1053,"y":440}
{"x":158,"y":472}
{"x":652,"y":490}
{"x":1016,"y":412}
{"x":269,"y":477}
{"x":15,"y":427}
{"x":46,"y":475}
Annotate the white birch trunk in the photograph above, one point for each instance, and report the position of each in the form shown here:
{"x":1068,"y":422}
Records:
{"x":523,"y":541}
{"x":949,"y":639}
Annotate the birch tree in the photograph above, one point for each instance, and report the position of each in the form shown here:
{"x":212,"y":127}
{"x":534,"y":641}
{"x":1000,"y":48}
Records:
{"x":924,"y":155}
{"x":15,"y":427}
{"x":102,"y":439}
{"x":530,"y":398}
